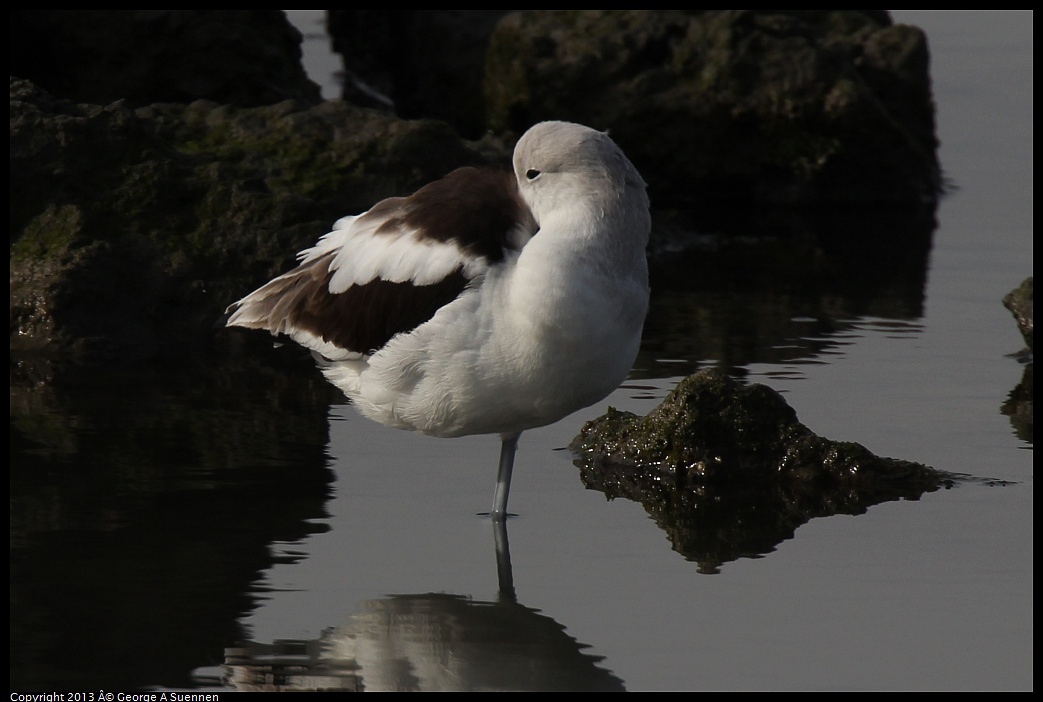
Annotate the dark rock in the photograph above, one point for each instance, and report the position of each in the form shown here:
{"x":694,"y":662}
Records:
{"x":774,"y":107}
{"x":794,"y":107}
{"x":728,"y":470}
{"x":239,"y":57}
{"x":134,"y":229}
{"x":713,"y":430}
{"x":428,"y":63}
{"x":1019,"y":302}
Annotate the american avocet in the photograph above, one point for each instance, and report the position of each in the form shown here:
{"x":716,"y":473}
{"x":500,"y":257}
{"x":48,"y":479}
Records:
{"x":484,"y":303}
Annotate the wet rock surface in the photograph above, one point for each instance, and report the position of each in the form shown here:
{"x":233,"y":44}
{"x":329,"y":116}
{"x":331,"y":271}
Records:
{"x":133,"y":229}
{"x":728,"y":471}
{"x":1019,"y":302}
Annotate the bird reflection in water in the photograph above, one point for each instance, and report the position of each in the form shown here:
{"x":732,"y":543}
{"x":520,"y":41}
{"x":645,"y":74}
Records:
{"x":428,"y":642}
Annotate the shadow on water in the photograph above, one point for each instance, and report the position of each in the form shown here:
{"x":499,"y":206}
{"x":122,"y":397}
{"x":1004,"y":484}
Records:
{"x":780,"y":286}
{"x":143,"y":503}
{"x":428,"y":642}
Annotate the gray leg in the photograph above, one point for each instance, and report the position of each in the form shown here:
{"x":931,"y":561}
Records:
{"x":504,"y":573}
{"x":503,"y":478}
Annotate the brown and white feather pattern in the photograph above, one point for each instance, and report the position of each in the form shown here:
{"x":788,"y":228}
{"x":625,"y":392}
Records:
{"x":390,"y":269}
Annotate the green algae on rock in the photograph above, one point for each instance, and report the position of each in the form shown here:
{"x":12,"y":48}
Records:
{"x":1019,"y":302}
{"x":728,"y":471}
{"x":714,"y":430}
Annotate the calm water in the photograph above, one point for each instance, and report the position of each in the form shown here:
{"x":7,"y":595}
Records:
{"x":239,"y":527}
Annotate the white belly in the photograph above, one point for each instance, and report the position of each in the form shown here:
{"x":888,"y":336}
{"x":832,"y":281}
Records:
{"x":499,"y":362}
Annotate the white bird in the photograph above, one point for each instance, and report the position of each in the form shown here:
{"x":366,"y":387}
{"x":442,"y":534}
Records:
{"x":486,"y":302}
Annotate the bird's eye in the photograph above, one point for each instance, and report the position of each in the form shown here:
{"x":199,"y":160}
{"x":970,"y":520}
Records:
{"x":532,"y":174}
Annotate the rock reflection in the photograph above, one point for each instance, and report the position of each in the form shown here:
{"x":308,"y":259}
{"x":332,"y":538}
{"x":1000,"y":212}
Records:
{"x":428,"y":642}
{"x":772,"y":286}
{"x":1019,"y":402}
{"x":144,"y":500}
{"x":1018,"y":406}
{"x":718,"y":525}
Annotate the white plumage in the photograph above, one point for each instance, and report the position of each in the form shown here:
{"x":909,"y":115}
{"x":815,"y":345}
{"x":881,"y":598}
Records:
{"x":484,"y":302}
